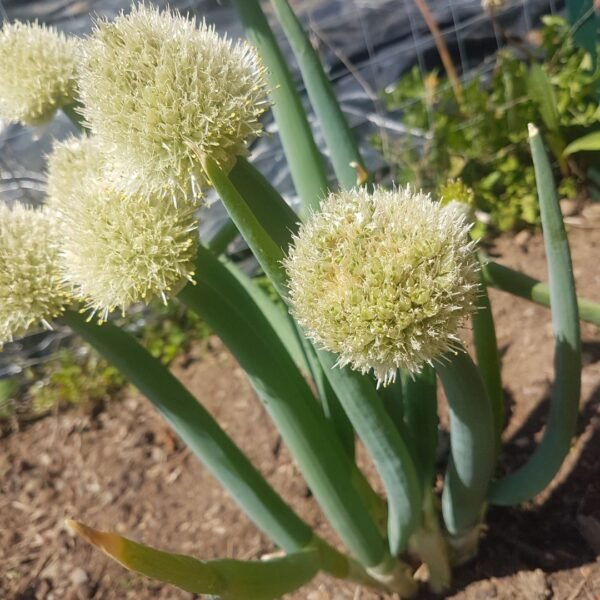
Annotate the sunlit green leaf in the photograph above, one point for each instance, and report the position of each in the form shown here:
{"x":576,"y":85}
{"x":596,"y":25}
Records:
{"x":226,"y":579}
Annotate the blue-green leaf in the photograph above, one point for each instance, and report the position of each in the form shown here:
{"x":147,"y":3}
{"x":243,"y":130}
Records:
{"x":545,"y":462}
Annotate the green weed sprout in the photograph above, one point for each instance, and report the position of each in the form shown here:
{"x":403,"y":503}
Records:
{"x":372,"y":288}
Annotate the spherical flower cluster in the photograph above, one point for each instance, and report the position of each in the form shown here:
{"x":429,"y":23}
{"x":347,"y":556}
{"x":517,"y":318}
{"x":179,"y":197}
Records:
{"x":383,"y":279}
{"x":37,"y":72}
{"x":161,"y":94}
{"x":31,"y":290}
{"x":70,"y":165}
{"x":118,"y":249}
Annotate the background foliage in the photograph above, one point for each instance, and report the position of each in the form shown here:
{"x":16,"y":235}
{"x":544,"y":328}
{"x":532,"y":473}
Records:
{"x":484,"y":140}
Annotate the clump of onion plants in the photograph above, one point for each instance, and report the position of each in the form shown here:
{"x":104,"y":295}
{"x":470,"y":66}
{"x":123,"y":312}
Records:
{"x":377,"y":283}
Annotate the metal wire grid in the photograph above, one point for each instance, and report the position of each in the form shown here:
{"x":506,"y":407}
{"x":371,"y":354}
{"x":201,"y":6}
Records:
{"x":458,"y":19}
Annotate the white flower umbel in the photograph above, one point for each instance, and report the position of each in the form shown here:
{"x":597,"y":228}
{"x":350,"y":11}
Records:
{"x":383,"y":279}
{"x":31,"y":290}
{"x":37,"y":72}
{"x":161,"y":91}
{"x":119,"y":249}
{"x":71,"y":164}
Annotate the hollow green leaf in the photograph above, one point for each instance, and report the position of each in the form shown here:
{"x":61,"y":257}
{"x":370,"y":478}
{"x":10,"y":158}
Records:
{"x":388,"y":450}
{"x":561,"y":426}
{"x":267,"y":251}
{"x":335,"y":413}
{"x":276,"y":314}
{"x":231,"y":312}
{"x":589,"y":142}
{"x":421,"y":420}
{"x":199,"y":431}
{"x":541,"y":90}
{"x":329,"y":401}
{"x":304,"y":159}
{"x":280,"y":222}
{"x":472,"y":443}
{"x":227,"y":579}
{"x":277,"y":219}
{"x":223,"y":237}
{"x":356,"y":394}
{"x":341,"y":142}
{"x":265,"y":202}
{"x":521,"y":285}
{"x":488,"y":358}
{"x":393,"y":401}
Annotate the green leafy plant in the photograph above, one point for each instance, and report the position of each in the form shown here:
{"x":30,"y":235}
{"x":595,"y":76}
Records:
{"x":483,"y":139}
{"x":361,"y":318}
{"x":171,"y":331}
{"x":71,"y":378}
{"x":78,"y":375}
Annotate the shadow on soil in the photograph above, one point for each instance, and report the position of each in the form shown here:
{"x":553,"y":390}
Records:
{"x":550,"y":535}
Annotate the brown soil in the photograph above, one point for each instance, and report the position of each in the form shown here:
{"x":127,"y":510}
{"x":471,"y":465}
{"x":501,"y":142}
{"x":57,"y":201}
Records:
{"x":118,"y":467}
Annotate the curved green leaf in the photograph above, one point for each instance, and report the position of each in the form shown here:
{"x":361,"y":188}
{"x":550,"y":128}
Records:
{"x":421,"y":420}
{"x":561,"y":427}
{"x":488,"y":358}
{"x":589,"y":142}
{"x":472,"y":442}
{"x":267,"y":251}
{"x":393,"y":401}
{"x":226,"y":579}
{"x":200,"y":432}
{"x":329,"y":401}
{"x":304,"y":159}
{"x":541,"y":90}
{"x":230,"y":311}
{"x":345,"y":155}
{"x":223,"y":237}
{"x":517,"y":283}
{"x":267,"y":205}
{"x":275,"y":313}
{"x":356,"y":394}
{"x":388,"y":450}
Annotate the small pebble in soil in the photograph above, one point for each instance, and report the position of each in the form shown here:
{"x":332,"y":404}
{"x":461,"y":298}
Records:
{"x":78,"y":576}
